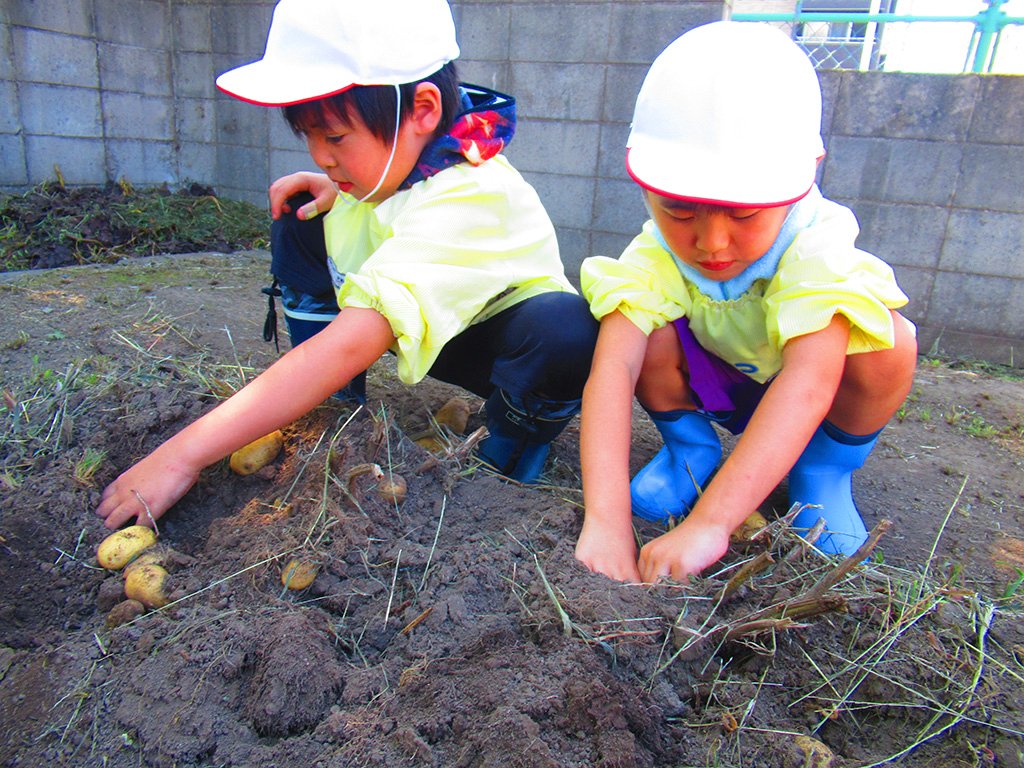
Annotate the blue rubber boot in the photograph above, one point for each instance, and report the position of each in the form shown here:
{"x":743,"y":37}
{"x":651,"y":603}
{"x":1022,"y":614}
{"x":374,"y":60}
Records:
{"x":822,"y":475}
{"x":521,"y":431}
{"x":304,"y":325}
{"x":669,"y":485}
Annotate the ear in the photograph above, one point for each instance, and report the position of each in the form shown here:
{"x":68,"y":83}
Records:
{"x":426,"y":109}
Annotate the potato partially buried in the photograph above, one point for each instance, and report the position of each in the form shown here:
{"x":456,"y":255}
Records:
{"x":299,"y":574}
{"x":121,"y":547}
{"x":257,"y":454}
{"x":123,"y":612}
{"x":149,"y":585}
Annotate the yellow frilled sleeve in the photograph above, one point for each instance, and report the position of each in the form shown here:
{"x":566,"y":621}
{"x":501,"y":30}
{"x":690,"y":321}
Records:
{"x":823,"y":274}
{"x":453,"y":250}
{"x":643,"y":284}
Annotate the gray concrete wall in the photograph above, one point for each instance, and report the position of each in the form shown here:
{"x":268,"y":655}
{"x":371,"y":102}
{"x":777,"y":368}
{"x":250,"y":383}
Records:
{"x":110,"y":89}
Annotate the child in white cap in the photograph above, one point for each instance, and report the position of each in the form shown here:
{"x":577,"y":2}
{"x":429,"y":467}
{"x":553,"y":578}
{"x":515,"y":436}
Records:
{"x":743,"y":302}
{"x":431,"y":245}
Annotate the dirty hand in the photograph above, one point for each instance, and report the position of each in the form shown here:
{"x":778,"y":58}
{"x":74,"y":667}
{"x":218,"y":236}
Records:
{"x":603,"y":551}
{"x":684,"y":551}
{"x":145,"y":491}
{"x":317,"y":184}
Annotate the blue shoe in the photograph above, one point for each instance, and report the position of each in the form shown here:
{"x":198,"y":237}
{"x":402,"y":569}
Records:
{"x":521,"y":430}
{"x":670,"y":484}
{"x":823,"y":476}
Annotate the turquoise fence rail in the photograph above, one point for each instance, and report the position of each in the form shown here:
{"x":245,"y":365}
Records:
{"x":869,"y":29}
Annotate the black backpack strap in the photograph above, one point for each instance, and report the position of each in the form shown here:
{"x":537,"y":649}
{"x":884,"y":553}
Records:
{"x":270,"y":324}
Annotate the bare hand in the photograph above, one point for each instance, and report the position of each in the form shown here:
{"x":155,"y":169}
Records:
{"x":317,"y":184}
{"x":608,"y":553}
{"x":145,"y":491}
{"x":684,"y":551}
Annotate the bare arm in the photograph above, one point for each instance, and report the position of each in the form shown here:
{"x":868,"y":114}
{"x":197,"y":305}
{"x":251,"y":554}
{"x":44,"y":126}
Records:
{"x":290,"y":388}
{"x":317,"y":184}
{"x":794,"y":405}
{"x":606,"y":542}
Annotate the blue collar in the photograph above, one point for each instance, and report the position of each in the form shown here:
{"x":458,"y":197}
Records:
{"x":800,"y":216}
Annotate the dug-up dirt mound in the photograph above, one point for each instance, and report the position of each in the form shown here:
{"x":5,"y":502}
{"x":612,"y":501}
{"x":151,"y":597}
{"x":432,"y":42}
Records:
{"x":455,"y":628}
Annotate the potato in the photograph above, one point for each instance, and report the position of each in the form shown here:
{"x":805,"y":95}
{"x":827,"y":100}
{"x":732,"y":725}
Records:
{"x":257,"y":454}
{"x":123,"y":612}
{"x":149,"y":585}
{"x":299,"y":574}
{"x":754,"y":523}
{"x":121,"y":547}
{"x":454,"y":414}
{"x":392,"y":488}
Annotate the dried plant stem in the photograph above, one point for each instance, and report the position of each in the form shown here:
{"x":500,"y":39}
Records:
{"x":750,"y":569}
{"x":566,"y":621}
{"x":863,"y":552}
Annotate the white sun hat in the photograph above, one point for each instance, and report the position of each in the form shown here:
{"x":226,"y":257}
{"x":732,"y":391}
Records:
{"x":318,"y":48}
{"x":730,"y":114}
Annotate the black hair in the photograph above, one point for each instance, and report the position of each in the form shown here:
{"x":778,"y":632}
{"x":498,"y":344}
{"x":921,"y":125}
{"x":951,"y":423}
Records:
{"x":375,"y":105}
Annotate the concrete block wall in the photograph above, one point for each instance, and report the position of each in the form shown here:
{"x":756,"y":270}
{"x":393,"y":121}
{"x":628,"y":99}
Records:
{"x":110,"y":89}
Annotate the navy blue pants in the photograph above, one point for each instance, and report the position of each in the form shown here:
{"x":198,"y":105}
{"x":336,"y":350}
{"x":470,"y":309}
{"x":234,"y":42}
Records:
{"x":541,"y":347}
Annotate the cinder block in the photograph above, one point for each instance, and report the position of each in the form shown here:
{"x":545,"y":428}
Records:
{"x":622,"y":84}
{"x":144,"y":23}
{"x":241,"y":123}
{"x":905,"y":106}
{"x":133,"y":116}
{"x":483,"y":31}
{"x":612,"y":158}
{"x":992,"y":178}
{"x":830,"y":81}
{"x":999,"y":112}
{"x":619,"y":208}
{"x":283,"y":161}
{"x":556,"y":147}
{"x":10,"y":112}
{"x":490,"y":74}
{"x":574,"y":247}
{"x":243,"y":168}
{"x":885,"y":170}
{"x":984,"y":243}
{"x":610,"y":244}
{"x":569,"y":32}
{"x":53,"y":110}
{"x":642,"y":30}
{"x":558,"y":92}
{"x":70,"y":16}
{"x":81,"y":161}
{"x":978,"y":304}
{"x":198,"y":162}
{"x":192,"y":28}
{"x":568,"y":199}
{"x":910,"y":235}
{"x":240,"y":30}
{"x":6,"y":59}
{"x":13,"y":171}
{"x":35,"y":62}
{"x":143,"y":163}
{"x":917,"y":284}
{"x":281,"y":135}
{"x":135,"y":70}
{"x":194,"y":76}
{"x":194,"y":120}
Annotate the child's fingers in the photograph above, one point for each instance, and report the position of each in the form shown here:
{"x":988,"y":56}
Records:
{"x":308,"y":211}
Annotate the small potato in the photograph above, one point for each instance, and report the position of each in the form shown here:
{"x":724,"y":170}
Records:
{"x":392,"y":488}
{"x":149,"y":585}
{"x":754,"y":523}
{"x":257,"y":454}
{"x":299,"y":574}
{"x":121,"y":547}
{"x":123,"y":612}
{"x":454,"y":414}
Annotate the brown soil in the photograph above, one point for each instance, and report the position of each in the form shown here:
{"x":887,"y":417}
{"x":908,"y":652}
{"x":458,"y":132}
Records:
{"x":432,"y":634}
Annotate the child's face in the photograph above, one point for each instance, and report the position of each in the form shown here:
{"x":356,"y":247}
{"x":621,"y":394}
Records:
{"x":354,"y":158}
{"x":718,"y":242}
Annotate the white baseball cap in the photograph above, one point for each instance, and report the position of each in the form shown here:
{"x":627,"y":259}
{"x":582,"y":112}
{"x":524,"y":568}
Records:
{"x":730,"y":114}
{"x":318,"y":48}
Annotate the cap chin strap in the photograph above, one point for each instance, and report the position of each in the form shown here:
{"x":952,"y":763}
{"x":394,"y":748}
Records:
{"x":391,"y":157}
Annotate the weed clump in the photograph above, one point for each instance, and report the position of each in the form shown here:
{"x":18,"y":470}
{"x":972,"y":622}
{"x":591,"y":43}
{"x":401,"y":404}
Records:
{"x":53,"y":225}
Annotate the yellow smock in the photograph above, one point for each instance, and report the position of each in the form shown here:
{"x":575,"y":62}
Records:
{"x":819,"y":275}
{"x":452,"y":250}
